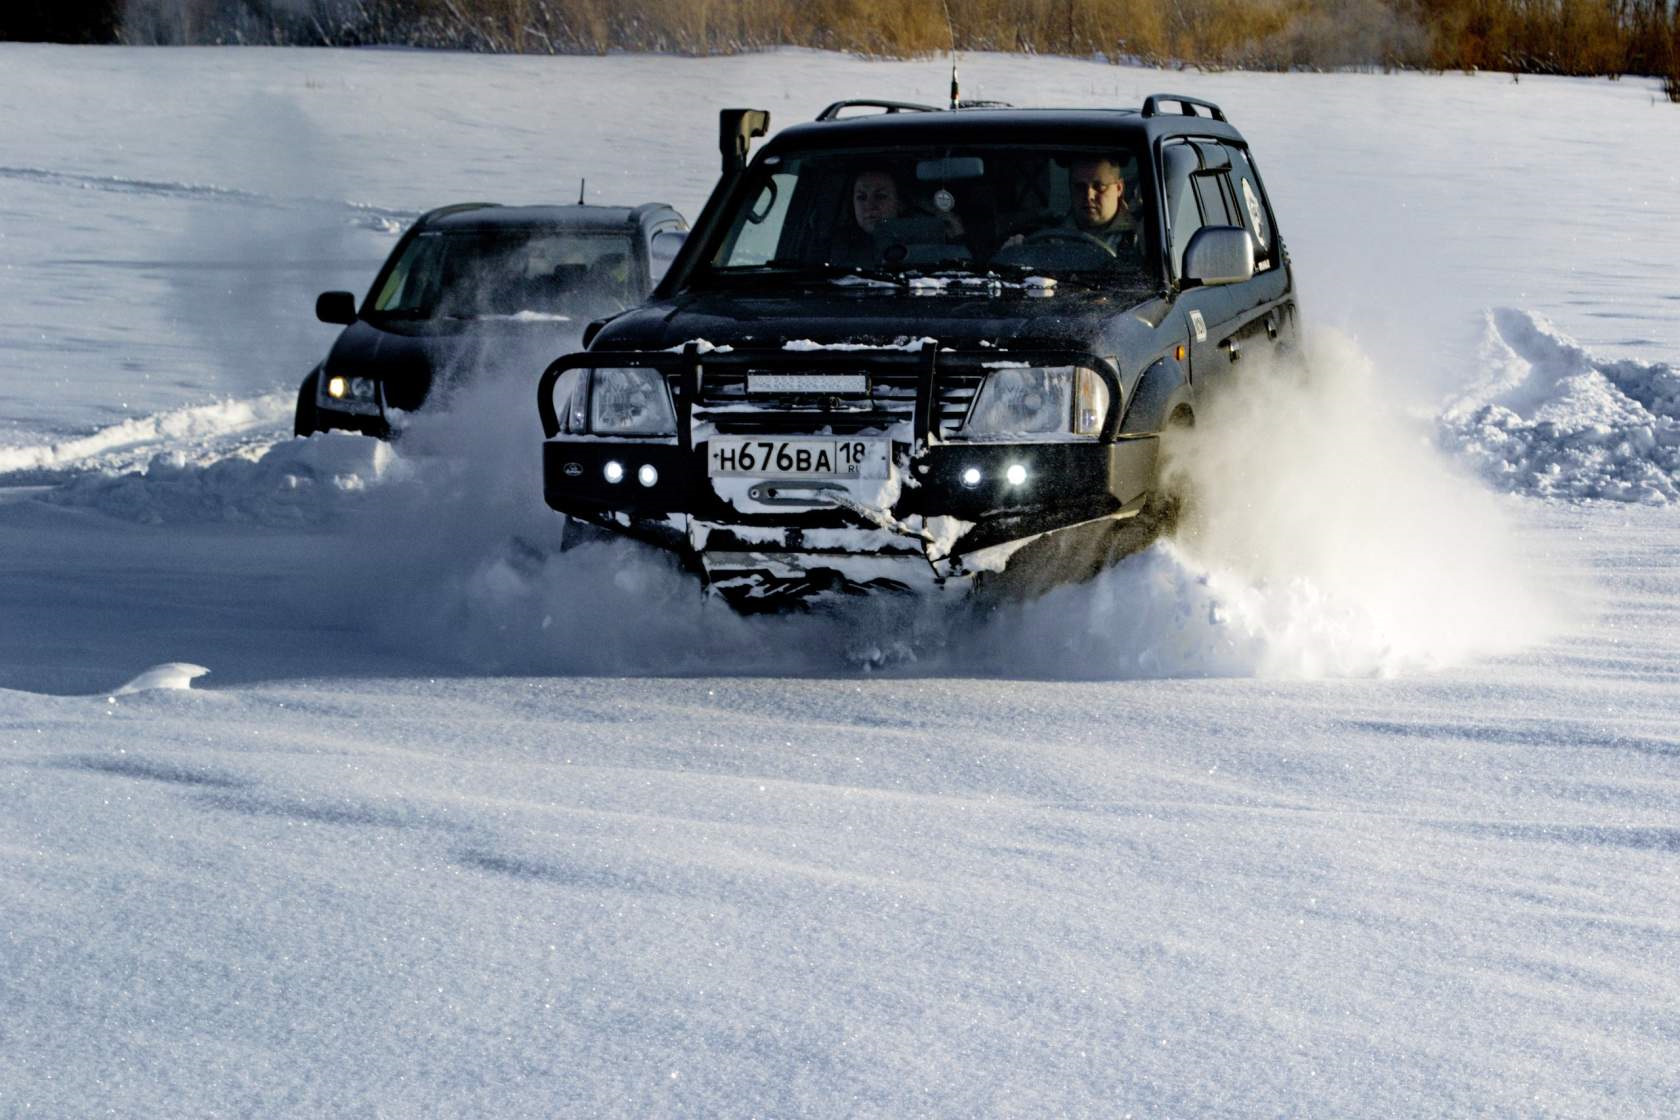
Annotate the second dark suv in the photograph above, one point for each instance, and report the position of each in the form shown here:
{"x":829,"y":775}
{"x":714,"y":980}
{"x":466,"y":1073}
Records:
{"x":910,"y":347}
{"x":476,"y":288}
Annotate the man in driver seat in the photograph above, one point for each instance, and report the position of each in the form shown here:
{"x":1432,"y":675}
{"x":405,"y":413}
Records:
{"x":1097,"y":207}
{"x":1099,"y":203}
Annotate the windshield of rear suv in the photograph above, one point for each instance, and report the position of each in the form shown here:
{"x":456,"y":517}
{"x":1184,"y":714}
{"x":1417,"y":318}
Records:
{"x":480,"y":274}
{"x":1074,"y":212}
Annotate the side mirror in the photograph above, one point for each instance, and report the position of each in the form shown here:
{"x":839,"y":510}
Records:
{"x":336,"y":307}
{"x":662,"y":250}
{"x":1218,"y":255}
{"x":736,"y":130}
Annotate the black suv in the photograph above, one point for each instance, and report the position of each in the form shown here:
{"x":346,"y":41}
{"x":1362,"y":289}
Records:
{"x":907,"y":346}
{"x":476,"y":287}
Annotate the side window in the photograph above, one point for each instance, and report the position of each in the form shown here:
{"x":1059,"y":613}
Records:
{"x":414,"y":281}
{"x":760,"y":232}
{"x":1179,"y":164}
{"x":1211,"y":194}
{"x":1213,"y":187}
{"x":1252,"y":206}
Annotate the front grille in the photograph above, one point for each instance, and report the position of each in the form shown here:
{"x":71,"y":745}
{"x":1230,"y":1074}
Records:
{"x":890,"y":398}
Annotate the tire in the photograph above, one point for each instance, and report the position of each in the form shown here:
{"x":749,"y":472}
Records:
{"x":1168,"y":510}
{"x":304,"y":421}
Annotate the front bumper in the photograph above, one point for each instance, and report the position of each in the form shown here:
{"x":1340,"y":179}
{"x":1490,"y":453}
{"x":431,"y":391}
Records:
{"x":954,"y":508}
{"x":332,"y":420}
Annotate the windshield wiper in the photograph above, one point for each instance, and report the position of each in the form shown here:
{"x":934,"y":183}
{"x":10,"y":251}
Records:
{"x":821,"y":272}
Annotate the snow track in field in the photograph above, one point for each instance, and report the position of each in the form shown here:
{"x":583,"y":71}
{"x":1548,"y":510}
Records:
{"x":379,"y":218}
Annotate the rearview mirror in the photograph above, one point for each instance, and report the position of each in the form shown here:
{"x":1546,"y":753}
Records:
{"x":336,"y":307}
{"x":951,"y":169}
{"x":662,"y":250}
{"x":1219,"y":255}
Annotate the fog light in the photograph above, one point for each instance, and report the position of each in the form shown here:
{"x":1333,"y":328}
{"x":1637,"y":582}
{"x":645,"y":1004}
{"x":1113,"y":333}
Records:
{"x":613,"y":472}
{"x":1016,"y":474}
{"x":647,"y":476}
{"x":971,"y":476}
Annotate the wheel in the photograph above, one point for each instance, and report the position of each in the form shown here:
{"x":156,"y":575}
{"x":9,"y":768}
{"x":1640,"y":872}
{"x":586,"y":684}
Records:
{"x":304,"y":421}
{"x":1169,"y":506}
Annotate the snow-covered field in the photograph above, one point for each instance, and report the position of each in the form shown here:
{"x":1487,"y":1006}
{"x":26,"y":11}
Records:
{"x":1363,"y":801}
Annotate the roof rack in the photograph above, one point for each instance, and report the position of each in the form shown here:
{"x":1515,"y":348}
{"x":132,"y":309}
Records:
{"x":832,"y":113}
{"x":1186,"y":105}
{"x":456,"y":208}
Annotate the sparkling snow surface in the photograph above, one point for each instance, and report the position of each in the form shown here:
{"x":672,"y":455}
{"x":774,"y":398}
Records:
{"x":327,"y":787}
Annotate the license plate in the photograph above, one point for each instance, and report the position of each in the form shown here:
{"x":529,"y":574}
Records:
{"x":733,"y":456}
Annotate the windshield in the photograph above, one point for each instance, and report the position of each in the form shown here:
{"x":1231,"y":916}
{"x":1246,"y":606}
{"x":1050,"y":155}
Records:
{"x":1055,"y":212}
{"x":479,"y":274}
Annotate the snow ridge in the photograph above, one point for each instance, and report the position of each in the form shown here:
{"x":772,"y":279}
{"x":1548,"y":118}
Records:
{"x":1551,"y":420}
{"x":292,"y":482}
{"x":201,"y":433}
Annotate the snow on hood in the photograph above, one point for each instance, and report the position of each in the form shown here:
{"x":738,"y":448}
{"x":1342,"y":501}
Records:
{"x":1551,"y":420}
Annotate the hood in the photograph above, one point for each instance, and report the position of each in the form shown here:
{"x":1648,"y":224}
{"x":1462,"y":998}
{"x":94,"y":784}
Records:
{"x":964,"y":317}
{"x":411,"y":358}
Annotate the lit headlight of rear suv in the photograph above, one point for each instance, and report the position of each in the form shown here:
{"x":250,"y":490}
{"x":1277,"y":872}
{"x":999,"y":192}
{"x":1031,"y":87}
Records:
{"x":349,"y":394}
{"x":1038,"y":403}
{"x":614,"y":401}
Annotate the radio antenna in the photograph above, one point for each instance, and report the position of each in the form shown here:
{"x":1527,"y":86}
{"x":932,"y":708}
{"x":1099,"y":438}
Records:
{"x":581,"y":184}
{"x":951,"y":30}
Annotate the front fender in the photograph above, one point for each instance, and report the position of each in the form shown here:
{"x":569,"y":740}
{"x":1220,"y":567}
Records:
{"x":1163,"y":389}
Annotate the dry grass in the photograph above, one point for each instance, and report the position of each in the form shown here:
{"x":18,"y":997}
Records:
{"x":1546,"y":36}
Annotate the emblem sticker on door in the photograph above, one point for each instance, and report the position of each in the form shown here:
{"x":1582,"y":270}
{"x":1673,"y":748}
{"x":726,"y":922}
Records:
{"x":1200,"y":326}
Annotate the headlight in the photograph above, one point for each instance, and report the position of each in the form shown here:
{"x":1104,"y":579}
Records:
{"x":628,"y":402}
{"x":1026,"y":402}
{"x":349,"y":394}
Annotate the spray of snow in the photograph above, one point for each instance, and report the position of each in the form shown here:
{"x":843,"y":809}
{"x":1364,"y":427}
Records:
{"x":1324,"y":520}
{"x":1322,"y":536}
{"x":1326,"y":537}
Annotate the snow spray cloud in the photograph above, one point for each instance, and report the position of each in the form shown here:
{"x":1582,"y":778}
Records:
{"x":1338,"y":532}
{"x":1325,"y":536}
{"x":252,"y":265}
{"x":470,"y":569}
{"x":1332,"y":536}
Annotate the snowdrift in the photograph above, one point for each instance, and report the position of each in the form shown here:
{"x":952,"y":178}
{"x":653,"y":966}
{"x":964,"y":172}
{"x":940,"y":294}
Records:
{"x":1544,"y":417}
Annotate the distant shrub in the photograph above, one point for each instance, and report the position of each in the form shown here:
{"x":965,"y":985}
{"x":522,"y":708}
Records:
{"x":1582,"y":37}
{"x":1671,"y":78}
